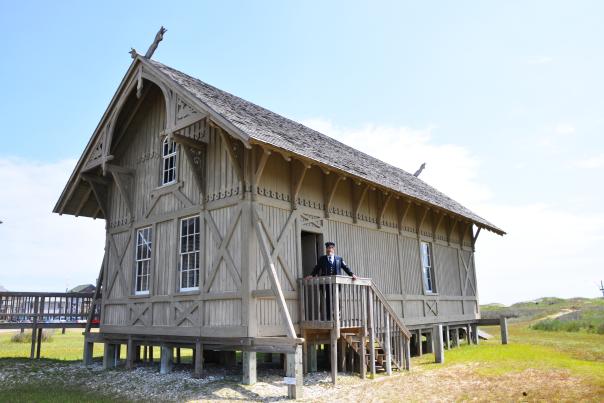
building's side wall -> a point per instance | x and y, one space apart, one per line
216 309
386 253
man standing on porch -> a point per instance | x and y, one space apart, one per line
329 265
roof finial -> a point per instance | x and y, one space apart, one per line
158 37
419 171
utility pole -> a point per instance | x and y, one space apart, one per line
602 287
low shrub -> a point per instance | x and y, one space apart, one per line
25 337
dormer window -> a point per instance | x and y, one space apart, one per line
168 157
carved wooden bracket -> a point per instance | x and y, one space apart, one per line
196 158
235 154
437 219
420 215
124 179
384 205
298 172
402 212
99 189
330 185
452 222
475 237
359 191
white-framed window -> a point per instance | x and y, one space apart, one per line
427 267
144 238
189 253
168 161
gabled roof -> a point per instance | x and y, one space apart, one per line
253 124
83 288
267 127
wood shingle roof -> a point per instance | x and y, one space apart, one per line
268 127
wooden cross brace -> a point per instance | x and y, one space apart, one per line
222 252
137 313
433 307
467 267
120 269
181 314
277 245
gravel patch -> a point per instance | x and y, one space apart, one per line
145 383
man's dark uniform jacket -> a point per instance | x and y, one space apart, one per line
324 268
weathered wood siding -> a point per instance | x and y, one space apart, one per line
388 254
216 308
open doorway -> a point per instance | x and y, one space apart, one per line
312 246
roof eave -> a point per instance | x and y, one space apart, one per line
480 224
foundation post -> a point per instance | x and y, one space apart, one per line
439 348
503 324
249 367
166 360
294 374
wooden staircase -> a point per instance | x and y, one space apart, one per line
358 319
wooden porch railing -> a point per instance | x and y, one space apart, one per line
37 310
356 307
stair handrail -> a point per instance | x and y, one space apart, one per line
389 309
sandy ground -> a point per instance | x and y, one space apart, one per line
453 383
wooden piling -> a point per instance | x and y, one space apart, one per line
294 376
198 361
166 360
249 367
503 324
439 350
88 352
109 356
334 356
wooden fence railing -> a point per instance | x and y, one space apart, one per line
37 310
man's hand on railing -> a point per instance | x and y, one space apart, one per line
308 277
354 277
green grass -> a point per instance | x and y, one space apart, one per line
52 393
578 355
68 346
542 307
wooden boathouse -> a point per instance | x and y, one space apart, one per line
217 208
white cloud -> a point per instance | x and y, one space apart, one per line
541 60
547 251
565 130
40 250
555 139
596 161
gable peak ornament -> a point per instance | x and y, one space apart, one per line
158 38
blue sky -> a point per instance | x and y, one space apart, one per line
502 100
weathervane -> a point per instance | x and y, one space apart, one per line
419 171
158 38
